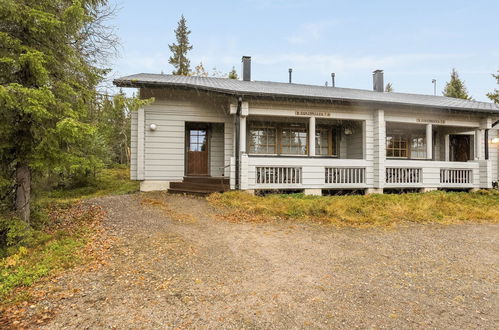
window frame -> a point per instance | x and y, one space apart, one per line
332 140
264 126
302 128
408 139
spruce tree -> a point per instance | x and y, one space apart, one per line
455 87
233 74
47 92
179 50
494 96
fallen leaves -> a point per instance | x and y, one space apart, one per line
168 210
83 220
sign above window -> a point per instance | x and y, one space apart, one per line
313 113
430 121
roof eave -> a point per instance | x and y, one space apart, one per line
142 84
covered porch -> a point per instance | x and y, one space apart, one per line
358 151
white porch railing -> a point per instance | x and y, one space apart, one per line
261 172
403 175
345 175
278 175
431 174
456 176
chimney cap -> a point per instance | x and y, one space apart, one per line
245 57
377 71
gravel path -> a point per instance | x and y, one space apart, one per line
175 266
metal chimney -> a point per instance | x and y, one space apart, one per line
290 74
378 84
246 68
333 83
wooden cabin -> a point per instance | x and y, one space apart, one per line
204 134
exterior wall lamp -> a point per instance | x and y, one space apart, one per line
153 127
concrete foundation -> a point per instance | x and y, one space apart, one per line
154 185
370 191
313 192
425 190
249 191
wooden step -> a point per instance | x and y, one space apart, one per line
206 179
189 191
199 186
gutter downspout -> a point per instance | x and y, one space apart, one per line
486 138
238 140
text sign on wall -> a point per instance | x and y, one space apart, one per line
430 121
313 113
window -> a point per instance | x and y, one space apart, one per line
197 140
418 147
262 139
325 141
397 146
406 146
294 139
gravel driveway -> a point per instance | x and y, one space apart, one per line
175 266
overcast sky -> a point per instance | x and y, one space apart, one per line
412 41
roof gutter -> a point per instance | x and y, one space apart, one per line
139 84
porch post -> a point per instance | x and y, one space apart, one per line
429 141
379 135
242 129
478 144
242 135
311 137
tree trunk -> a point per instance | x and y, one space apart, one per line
23 192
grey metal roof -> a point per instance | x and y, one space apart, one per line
276 89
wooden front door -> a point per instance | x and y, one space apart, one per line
460 148
197 149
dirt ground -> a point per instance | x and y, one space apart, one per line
174 265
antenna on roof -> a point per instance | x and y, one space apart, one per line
332 79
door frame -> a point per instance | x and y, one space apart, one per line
200 125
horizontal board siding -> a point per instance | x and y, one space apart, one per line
313 171
354 144
133 146
217 150
431 173
165 147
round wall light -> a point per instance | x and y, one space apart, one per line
153 127
495 140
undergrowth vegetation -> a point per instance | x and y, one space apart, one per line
60 229
362 211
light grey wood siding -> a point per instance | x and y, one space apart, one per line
354 143
165 147
133 146
217 150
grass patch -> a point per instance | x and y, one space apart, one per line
58 246
110 181
362 211
62 227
